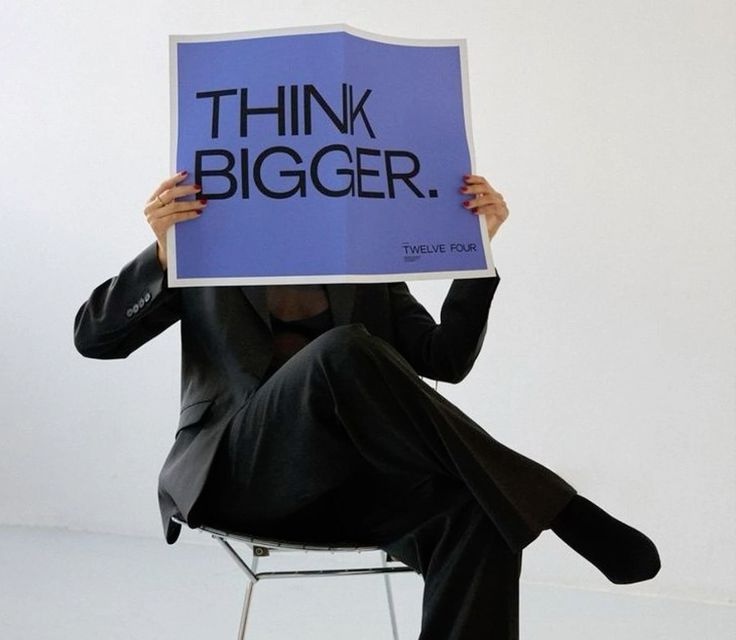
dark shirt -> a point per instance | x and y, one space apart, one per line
291 335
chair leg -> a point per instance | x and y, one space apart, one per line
246 600
389 596
246 607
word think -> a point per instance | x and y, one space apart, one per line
297 111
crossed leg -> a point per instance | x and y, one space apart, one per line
348 403
345 441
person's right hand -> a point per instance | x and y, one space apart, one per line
162 209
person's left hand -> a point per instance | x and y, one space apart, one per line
487 202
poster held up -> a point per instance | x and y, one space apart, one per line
326 154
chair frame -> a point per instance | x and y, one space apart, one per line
262 547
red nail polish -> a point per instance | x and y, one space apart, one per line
197 187
203 200
466 203
463 189
183 172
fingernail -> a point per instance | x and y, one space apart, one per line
197 187
203 200
466 203
463 189
466 176
183 172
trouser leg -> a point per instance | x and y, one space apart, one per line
349 401
471 576
436 526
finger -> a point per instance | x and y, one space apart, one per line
475 181
186 205
177 206
479 189
184 215
168 183
471 178
173 193
162 224
483 200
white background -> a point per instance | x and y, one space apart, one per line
610 129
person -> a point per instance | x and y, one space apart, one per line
305 416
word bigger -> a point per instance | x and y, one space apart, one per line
293 181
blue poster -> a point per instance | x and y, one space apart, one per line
326 154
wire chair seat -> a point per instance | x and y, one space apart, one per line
261 547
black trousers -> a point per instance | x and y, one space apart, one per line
345 442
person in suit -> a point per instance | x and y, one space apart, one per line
304 415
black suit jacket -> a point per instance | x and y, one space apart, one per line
226 345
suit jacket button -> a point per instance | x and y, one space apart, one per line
147 296
129 313
141 302
135 308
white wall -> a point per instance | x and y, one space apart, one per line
609 128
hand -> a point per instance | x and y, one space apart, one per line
487 202
162 209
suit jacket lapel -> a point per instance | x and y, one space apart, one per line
341 297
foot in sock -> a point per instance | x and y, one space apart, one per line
622 553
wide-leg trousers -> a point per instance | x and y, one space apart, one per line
346 443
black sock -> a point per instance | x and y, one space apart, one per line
622 553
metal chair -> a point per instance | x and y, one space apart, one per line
261 548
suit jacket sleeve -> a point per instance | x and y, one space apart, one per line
127 310
446 351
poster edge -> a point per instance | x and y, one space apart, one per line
173 131
338 27
333 279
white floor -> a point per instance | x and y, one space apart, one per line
69 585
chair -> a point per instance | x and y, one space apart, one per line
261 548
